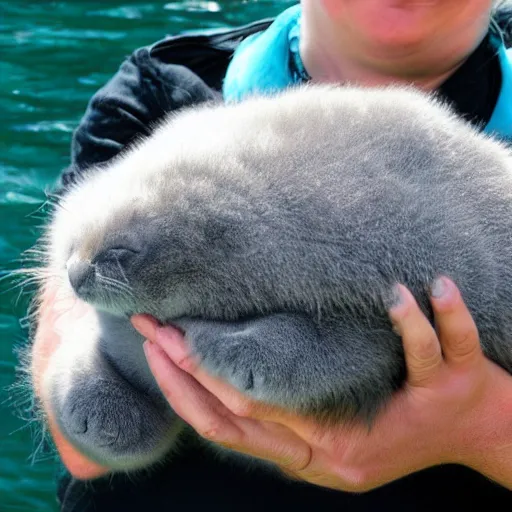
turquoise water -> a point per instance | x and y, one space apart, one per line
53 56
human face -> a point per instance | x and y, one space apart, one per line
407 36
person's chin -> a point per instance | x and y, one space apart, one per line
396 26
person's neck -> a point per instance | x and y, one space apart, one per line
324 67
326 60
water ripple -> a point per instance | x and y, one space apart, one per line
45 126
193 6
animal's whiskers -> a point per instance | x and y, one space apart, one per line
115 285
120 267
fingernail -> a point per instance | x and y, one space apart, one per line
438 288
145 324
395 298
167 334
172 342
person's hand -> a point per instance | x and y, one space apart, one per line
456 406
53 313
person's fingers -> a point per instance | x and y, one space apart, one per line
423 354
456 328
213 421
146 325
171 341
194 404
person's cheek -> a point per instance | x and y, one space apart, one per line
333 8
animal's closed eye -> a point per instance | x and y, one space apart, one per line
115 254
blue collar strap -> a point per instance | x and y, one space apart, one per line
267 62
500 123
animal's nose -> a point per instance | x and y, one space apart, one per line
80 273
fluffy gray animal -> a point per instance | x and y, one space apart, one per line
272 232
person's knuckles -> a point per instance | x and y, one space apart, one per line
171 342
297 463
424 351
241 406
464 345
459 337
215 430
423 377
294 456
187 362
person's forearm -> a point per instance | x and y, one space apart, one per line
491 452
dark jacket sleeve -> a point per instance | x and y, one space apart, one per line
171 74
143 91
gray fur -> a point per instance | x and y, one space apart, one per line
272 232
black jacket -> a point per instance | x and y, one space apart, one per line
169 75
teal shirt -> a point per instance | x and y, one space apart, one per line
265 63
500 123
269 61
